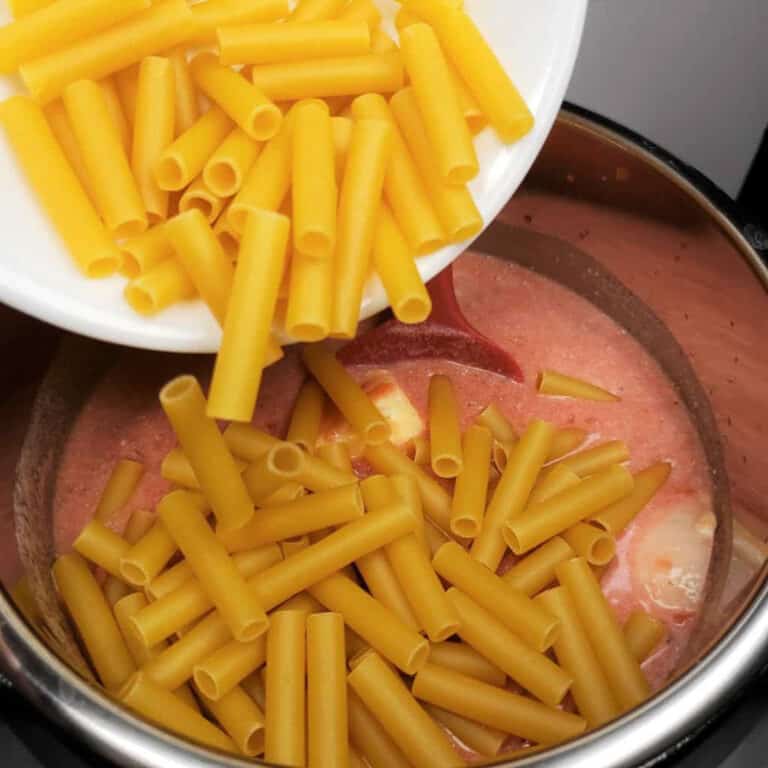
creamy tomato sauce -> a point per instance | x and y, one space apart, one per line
663 557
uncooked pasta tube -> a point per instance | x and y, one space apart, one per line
403 187
242 101
620 666
285 721
367 734
444 428
148 556
512 492
590 689
197 195
310 298
119 488
369 619
101 546
327 730
306 416
346 393
272 43
643 633
247 330
162 285
482 739
114 105
156 29
316 10
359 201
495 707
560 385
435 91
227 168
592 460
337 455
282 462
93 618
153 130
124 609
187 105
212 14
471 489
241 718
215 469
145 251
343 76
314 180
535 571
565 441
486 634
538 628
226 667
462 658
364 10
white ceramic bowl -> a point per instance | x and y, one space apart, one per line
537 41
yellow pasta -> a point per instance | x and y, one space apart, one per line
347 395
368 736
116 194
153 130
462 658
486 78
399 643
241 718
304 515
242 101
242 357
140 521
535 571
595 459
453 204
211 564
114 106
143 252
93 618
56 115
21 8
480 738
592 543
124 609
272 43
185 159
58 25
187 109
444 428
512 492
283 461
314 192
590 690
316 10
204 446
489 636
155 29
327 739
229 240
471 489
536 627
306 416
503 432
558 513
285 720
560 385
381 42
127 85
119 488
227 168
361 10
57 187
330 554
165 709
394 262
216 675
643 633
495 707
435 92
174 666
199 252
101 546
310 296
359 202
621 668
148 556
388 460
565 441
114 590
615 518
391 703
198 196
212 14
162 285
341 127
267 184
321 78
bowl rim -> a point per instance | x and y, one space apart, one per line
641 737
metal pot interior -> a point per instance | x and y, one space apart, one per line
604 218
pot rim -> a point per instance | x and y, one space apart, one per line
644 736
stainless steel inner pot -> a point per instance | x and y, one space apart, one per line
654 245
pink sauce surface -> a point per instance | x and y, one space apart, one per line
662 558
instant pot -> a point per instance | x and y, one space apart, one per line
610 215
